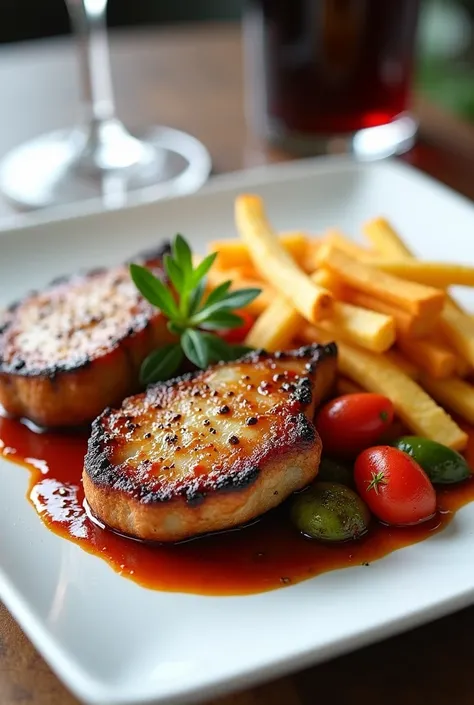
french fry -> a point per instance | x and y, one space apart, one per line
412 404
310 260
407 324
235 253
463 368
328 280
385 240
218 276
280 322
430 356
337 239
359 326
275 264
399 360
455 394
455 324
459 328
436 274
276 327
409 296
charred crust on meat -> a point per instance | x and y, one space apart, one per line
303 428
16 361
303 392
239 480
229 462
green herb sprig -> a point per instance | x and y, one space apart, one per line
191 315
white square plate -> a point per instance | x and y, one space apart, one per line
113 642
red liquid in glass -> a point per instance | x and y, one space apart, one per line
331 66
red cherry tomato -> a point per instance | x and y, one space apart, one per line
396 488
350 423
238 335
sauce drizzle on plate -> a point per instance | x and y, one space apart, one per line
263 556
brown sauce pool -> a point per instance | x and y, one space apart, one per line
266 555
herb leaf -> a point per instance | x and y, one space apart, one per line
235 299
195 347
173 270
161 364
191 316
222 319
203 268
183 256
154 290
196 297
218 293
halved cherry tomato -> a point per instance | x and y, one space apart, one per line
238 335
396 488
350 423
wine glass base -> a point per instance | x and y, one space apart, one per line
53 169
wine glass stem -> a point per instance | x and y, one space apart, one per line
88 19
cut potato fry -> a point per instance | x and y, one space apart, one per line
407 324
385 240
245 272
328 280
310 260
275 264
359 326
456 394
412 404
351 248
456 325
276 327
280 322
407 366
430 356
409 296
235 253
437 274
463 368
459 329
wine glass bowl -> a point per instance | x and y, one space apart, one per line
100 157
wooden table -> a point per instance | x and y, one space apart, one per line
191 78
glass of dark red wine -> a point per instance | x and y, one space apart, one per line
331 75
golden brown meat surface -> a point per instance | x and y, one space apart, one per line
209 451
76 347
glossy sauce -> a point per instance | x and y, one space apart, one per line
264 556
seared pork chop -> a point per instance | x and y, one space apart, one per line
76 347
211 450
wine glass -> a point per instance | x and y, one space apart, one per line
100 157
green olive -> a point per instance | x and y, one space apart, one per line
441 464
330 511
334 471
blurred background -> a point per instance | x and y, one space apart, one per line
445 66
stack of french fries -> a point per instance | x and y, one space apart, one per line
399 333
